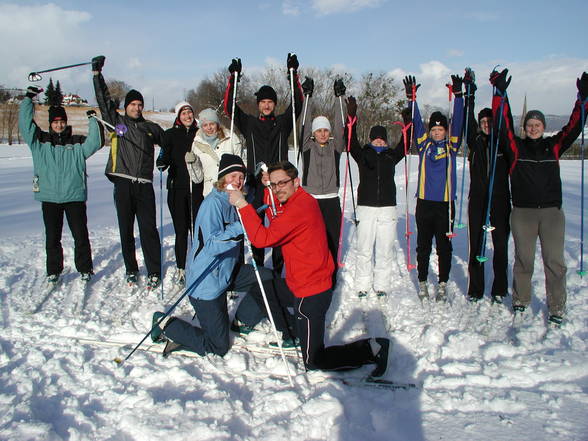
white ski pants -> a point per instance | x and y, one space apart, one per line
376 228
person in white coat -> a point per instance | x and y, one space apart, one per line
211 141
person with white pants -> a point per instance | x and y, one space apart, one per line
376 210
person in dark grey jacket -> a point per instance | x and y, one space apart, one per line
130 167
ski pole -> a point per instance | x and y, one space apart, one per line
34 76
119 129
161 227
307 97
293 112
481 257
191 212
263 294
581 272
450 233
271 194
465 155
192 287
350 122
235 82
348 164
407 232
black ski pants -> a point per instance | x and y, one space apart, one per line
310 325
178 201
331 211
75 212
499 219
134 199
432 222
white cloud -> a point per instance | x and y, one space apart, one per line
326 7
550 84
289 7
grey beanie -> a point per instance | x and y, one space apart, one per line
208 115
534 114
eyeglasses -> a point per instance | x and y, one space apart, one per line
280 184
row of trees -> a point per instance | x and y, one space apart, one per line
379 97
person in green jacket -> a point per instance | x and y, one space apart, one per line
59 182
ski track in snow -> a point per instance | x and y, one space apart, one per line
478 378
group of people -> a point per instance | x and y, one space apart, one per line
220 192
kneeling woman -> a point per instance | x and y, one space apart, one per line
213 268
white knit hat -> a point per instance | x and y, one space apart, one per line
180 106
320 122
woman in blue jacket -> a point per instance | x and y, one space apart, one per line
213 267
59 182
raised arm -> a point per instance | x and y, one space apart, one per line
308 88
338 128
105 103
95 139
419 131
26 124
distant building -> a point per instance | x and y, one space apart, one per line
74 100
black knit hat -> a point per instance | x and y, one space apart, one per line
132 96
534 114
438 119
57 113
229 164
484 113
378 132
266 93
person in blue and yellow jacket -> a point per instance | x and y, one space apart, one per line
435 208
59 182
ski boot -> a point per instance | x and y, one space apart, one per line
381 293
380 348
181 277
241 328
555 321
86 277
52 279
497 299
153 281
441 295
287 343
157 329
132 278
362 294
423 292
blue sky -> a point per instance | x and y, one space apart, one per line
165 47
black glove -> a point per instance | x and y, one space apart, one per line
351 106
406 115
90 113
456 82
308 86
582 84
469 79
292 62
98 63
339 87
235 66
410 82
498 80
33 91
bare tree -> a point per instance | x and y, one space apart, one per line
118 90
9 112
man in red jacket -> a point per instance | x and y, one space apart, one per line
300 231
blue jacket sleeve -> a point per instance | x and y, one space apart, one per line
420 132
93 142
218 238
28 129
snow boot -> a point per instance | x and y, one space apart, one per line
52 279
381 293
362 294
380 348
86 277
497 300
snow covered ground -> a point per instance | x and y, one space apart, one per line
476 380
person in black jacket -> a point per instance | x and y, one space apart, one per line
376 207
266 136
183 196
480 157
130 168
536 195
